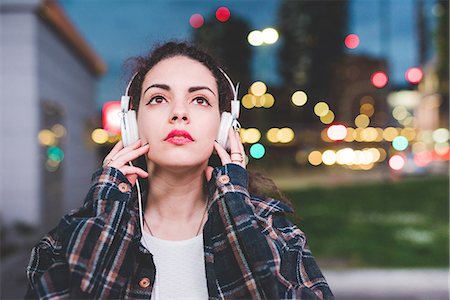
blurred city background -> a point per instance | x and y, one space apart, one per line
345 106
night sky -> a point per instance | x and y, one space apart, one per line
119 29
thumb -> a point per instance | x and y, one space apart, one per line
208 172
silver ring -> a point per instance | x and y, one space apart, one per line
240 161
106 162
242 156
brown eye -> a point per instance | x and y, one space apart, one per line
202 101
156 100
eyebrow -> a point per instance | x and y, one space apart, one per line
167 88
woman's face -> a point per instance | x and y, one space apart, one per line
179 112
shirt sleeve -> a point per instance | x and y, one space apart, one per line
86 250
298 265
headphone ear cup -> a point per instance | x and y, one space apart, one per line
225 123
129 128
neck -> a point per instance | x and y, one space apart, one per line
176 201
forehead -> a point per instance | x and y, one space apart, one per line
180 71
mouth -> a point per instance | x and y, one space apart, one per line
179 137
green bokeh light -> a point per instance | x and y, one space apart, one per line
257 151
400 143
55 153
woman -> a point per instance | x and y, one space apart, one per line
205 234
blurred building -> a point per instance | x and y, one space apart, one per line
351 88
49 76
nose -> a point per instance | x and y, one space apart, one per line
179 114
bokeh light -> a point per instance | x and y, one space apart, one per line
258 88
110 117
269 100
46 137
409 133
390 133
337 132
352 41
285 135
196 20
99 136
400 112
328 118
270 35
379 79
367 109
299 98
55 153
272 135
345 156
414 75
441 135
329 157
223 14
396 162
255 38
59 130
400 143
251 135
362 121
257 151
248 101
321 109
422 159
315 158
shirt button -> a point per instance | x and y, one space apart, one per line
123 187
224 179
144 282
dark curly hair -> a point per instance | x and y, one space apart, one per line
139 66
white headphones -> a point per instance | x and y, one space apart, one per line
128 122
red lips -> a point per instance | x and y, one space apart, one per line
179 133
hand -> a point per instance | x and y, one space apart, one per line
236 155
120 156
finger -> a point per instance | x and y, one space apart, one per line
233 142
127 149
241 148
117 147
129 170
129 156
235 149
223 154
208 172
132 179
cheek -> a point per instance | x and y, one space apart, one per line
148 128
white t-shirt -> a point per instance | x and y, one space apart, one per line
180 268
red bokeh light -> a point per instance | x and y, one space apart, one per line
414 75
110 117
223 14
379 79
196 20
352 41
397 162
422 159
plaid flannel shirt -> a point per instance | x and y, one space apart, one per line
251 250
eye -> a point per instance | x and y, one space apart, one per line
156 100
202 101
